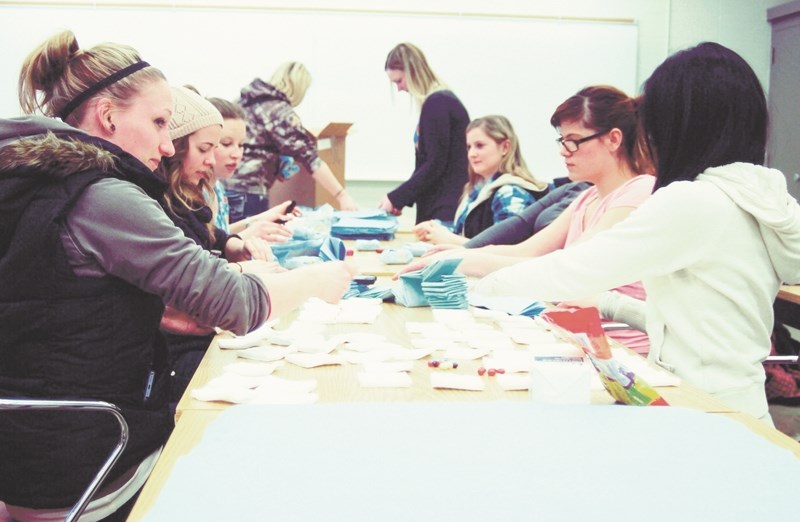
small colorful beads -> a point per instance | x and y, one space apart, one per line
442 365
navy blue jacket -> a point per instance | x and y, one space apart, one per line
441 160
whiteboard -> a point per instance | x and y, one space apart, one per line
519 67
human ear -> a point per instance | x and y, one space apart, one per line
614 139
104 111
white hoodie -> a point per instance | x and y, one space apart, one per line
711 254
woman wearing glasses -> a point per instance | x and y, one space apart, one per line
598 141
712 244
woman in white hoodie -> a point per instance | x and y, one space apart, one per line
711 245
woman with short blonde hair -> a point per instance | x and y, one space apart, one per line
277 144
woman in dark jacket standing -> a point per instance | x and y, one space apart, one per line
441 151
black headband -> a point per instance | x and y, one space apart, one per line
99 86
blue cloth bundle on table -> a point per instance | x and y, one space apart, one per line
396 256
296 253
332 249
297 247
436 286
369 291
365 245
364 224
418 248
510 305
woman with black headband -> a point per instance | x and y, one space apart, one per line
88 260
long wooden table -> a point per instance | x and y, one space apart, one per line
790 293
787 306
340 384
370 263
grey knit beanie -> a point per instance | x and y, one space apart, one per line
191 112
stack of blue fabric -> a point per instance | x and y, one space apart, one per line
364 224
437 285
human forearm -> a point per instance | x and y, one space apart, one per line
508 232
615 306
288 290
114 219
325 177
478 263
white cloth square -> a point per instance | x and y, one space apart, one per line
556 382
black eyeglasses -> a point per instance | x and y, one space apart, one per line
573 145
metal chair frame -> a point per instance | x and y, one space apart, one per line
54 405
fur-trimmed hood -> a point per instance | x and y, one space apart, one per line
36 150
43 146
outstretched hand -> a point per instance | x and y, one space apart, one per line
330 280
279 213
387 205
269 231
257 248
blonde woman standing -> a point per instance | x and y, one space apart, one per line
441 156
277 143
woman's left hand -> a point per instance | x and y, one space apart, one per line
257 248
436 233
268 231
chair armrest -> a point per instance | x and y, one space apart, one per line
52 405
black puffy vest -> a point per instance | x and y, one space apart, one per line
69 337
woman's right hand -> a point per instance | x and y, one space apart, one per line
278 213
329 280
387 205
429 259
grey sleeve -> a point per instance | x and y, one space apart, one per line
535 217
116 226
510 231
622 308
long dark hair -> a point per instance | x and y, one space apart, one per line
703 107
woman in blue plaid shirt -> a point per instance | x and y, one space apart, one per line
499 184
